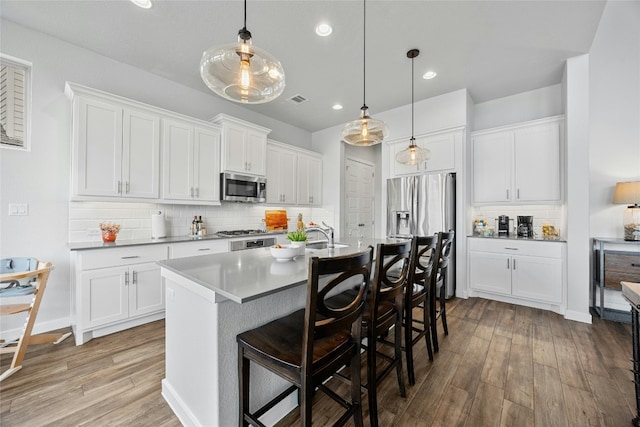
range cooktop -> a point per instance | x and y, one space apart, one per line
236 233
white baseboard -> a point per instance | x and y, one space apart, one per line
578 316
38 328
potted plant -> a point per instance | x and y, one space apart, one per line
298 238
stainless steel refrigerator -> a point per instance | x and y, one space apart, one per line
422 205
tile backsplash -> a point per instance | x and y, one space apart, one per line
135 218
542 214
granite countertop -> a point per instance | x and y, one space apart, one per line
523 239
243 276
77 246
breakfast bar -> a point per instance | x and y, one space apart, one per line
209 300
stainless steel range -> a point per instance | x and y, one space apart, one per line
256 241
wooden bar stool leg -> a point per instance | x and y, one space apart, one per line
408 346
243 371
443 310
427 325
356 394
371 382
398 355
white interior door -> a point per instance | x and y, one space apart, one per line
360 196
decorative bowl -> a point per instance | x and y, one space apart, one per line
284 252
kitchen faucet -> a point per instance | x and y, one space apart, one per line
360 235
328 232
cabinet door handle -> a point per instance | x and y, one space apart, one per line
514 264
119 187
518 193
126 278
248 166
127 187
507 194
197 192
135 277
511 249
130 257
507 263
204 249
310 199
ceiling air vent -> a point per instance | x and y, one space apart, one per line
297 99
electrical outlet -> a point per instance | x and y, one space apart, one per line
18 209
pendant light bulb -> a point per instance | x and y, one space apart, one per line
413 154
364 131
241 72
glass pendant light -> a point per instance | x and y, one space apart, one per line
242 72
413 155
364 131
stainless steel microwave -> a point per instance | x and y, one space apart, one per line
243 188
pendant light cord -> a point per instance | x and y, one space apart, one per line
364 55
412 139
245 14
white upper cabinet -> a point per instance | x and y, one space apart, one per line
441 145
519 164
309 180
281 175
116 150
191 162
244 146
294 175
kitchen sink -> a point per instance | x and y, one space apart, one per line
323 245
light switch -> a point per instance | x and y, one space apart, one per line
18 209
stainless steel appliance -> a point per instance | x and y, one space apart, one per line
503 225
423 205
525 226
242 188
260 242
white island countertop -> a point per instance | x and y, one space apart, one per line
246 275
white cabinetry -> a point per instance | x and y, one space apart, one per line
116 289
191 161
441 145
116 147
281 175
309 177
294 175
244 146
197 248
518 164
529 271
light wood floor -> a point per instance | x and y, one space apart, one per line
501 365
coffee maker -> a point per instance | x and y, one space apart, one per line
503 225
525 226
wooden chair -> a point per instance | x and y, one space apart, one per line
417 295
438 285
309 345
384 310
20 277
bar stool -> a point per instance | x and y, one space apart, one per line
310 345
438 285
421 266
384 310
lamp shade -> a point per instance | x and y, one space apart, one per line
413 154
242 73
364 131
627 193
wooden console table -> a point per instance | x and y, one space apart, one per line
615 260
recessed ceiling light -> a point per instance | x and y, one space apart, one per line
323 30
337 107
145 4
429 75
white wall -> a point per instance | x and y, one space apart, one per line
40 178
614 129
522 107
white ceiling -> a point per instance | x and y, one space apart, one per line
493 48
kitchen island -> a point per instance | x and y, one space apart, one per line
209 300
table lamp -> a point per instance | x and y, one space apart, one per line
628 193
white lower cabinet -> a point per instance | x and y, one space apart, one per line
116 289
525 271
197 248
